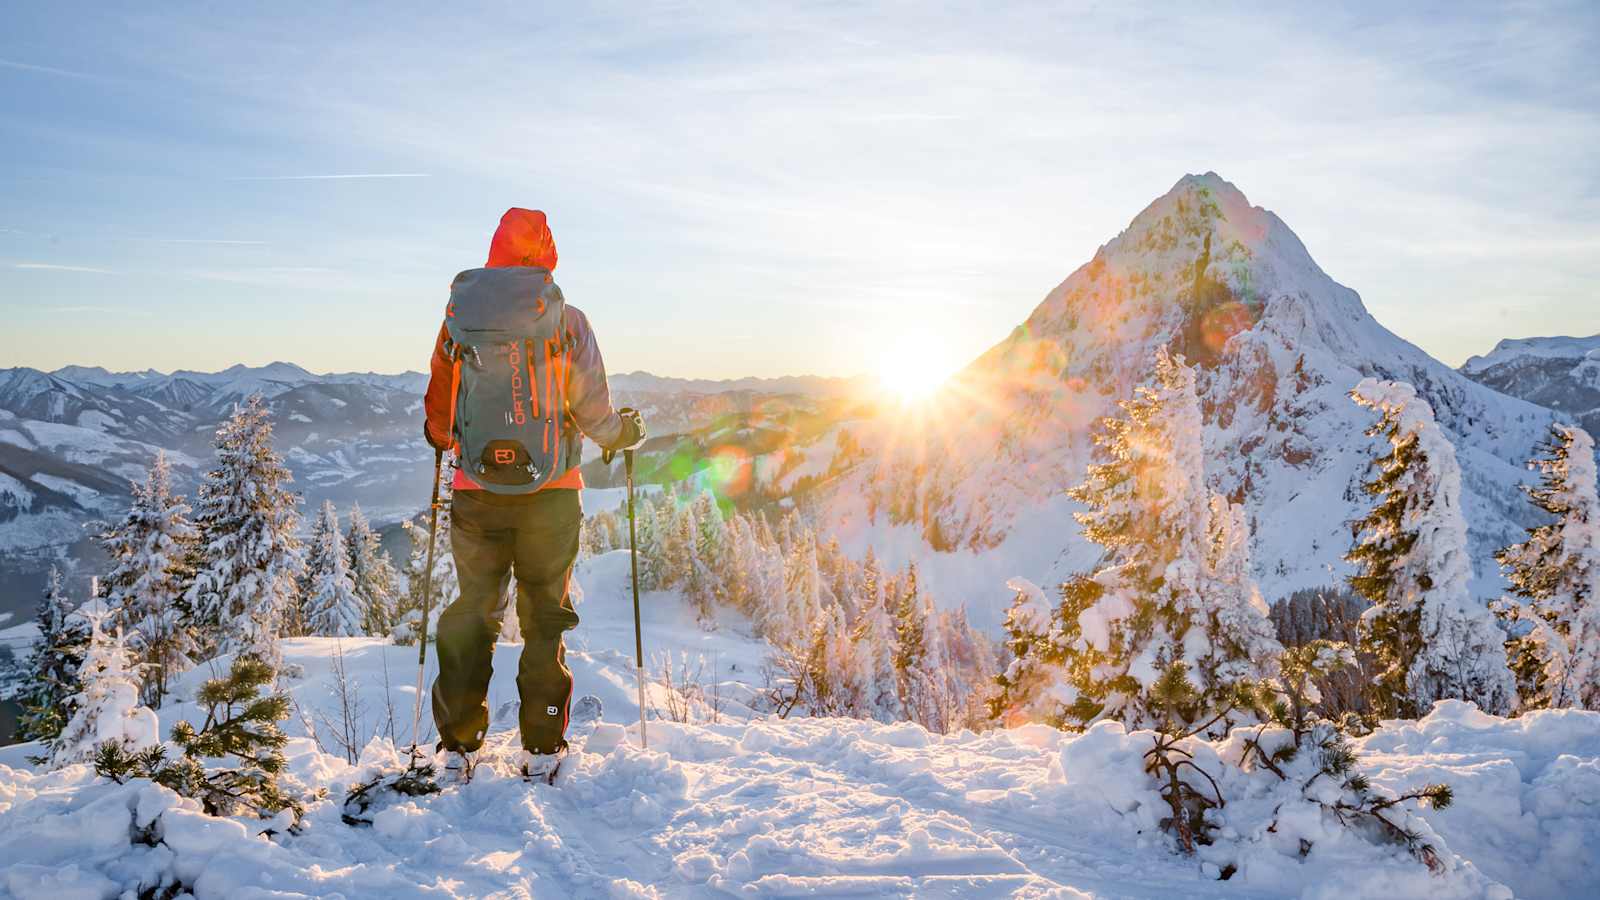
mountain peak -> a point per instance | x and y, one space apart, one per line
273 371
1209 181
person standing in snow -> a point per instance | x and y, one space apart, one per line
496 528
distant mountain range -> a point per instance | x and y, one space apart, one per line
807 385
73 440
1562 373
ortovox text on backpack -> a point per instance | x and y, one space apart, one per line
510 346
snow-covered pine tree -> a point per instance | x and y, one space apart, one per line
712 527
681 564
1432 641
804 589
710 541
150 549
1555 580
738 572
248 554
969 663
927 698
871 580
790 531
372 573
648 532
408 611
769 589
599 534
839 574
332 607
833 682
877 647
905 603
1035 667
106 708
52 668
1238 624
1146 639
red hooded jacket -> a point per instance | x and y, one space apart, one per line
524 239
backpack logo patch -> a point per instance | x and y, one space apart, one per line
551 710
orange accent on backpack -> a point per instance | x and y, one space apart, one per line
455 388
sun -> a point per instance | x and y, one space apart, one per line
913 369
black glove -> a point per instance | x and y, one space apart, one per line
428 436
632 434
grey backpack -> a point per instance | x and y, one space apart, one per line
509 343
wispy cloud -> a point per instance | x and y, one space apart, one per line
56 267
75 310
230 243
342 177
43 70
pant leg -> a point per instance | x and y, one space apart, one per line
483 551
546 545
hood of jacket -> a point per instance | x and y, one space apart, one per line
523 239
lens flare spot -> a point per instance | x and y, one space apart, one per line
1222 323
728 469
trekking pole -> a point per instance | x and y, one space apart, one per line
638 633
427 600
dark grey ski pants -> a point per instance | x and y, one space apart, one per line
491 535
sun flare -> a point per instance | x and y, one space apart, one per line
913 369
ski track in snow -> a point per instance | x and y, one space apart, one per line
778 808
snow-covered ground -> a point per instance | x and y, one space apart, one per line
770 807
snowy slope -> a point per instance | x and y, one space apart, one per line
771 807
1562 373
1279 344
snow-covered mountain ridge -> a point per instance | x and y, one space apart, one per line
1562 373
1519 351
1278 345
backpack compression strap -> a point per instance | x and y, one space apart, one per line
455 391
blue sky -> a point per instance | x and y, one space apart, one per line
761 189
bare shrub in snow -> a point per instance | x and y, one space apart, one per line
347 725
